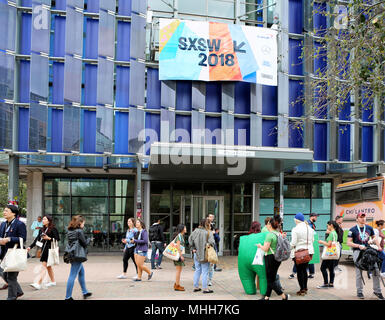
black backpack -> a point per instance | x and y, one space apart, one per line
153 232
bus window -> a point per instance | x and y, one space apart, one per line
349 195
372 191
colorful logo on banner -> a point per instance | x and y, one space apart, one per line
211 51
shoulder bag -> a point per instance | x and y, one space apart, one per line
75 252
302 255
210 254
171 251
15 259
53 254
332 252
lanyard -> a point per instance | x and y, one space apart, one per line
362 234
9 227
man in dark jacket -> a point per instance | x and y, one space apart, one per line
158 242
10 231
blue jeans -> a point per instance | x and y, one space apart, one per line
201 268
156 245
77 270
211 272
381 255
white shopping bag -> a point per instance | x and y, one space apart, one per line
53 254
149 253
258 258
15 259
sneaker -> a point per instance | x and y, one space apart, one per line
87 295
292 276
158 267
360 295
197 289
324 286
122 276
218 269
287 296
210 284
150 275
379 296
331 285
208 291
51 284
382 274
136 279
311 276
36 286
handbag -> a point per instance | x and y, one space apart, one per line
210 253
172 251
75 252
15 259
302 255
332 252
53 254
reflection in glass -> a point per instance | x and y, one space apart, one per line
71 123
6 112
89 187
136 118
105 82
220 8
194 7
122 206
137 83
139 6
118 227
242 204
72 79
57 205
7 70
104 128
160 204
90 206
74 32
38 118
242 222
8 21
108 5
106 34
138 37
39 77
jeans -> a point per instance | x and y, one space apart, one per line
160 246
211 272
381 255
14 288
77 270
201 268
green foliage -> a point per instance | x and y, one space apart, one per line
4 194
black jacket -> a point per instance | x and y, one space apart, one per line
53 233
17 230
78 234
159 233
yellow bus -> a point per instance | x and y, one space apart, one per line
365 195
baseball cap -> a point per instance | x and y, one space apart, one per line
360 214
314 214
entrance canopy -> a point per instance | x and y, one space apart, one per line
221 162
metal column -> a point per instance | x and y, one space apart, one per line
138 189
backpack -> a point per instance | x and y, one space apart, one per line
283 249
153 232
367 259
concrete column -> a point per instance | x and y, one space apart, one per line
146 203
256 204
335 183
34 200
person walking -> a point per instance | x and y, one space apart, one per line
217 240
311 222
76 233
332 226
272 265
180 243
302 237
43 240
198 240
340 233
129 248
158 243
358 239
141 248
11 230
267 223
381 237
36 226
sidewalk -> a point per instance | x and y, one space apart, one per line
101 273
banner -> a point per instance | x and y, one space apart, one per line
212 51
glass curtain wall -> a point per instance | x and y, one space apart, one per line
105 203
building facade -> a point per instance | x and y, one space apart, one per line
86 121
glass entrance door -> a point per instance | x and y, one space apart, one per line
195 208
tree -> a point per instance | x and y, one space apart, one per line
350 55
22 200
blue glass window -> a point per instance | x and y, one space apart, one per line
105 90
38 118
7 69
6 113
104 128
71 123
137 83
8 21
72 79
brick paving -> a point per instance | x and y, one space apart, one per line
102 270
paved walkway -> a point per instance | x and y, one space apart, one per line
101 272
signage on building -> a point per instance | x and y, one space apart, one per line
212 51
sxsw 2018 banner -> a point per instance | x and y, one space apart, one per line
212 51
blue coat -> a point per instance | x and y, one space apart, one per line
17 230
